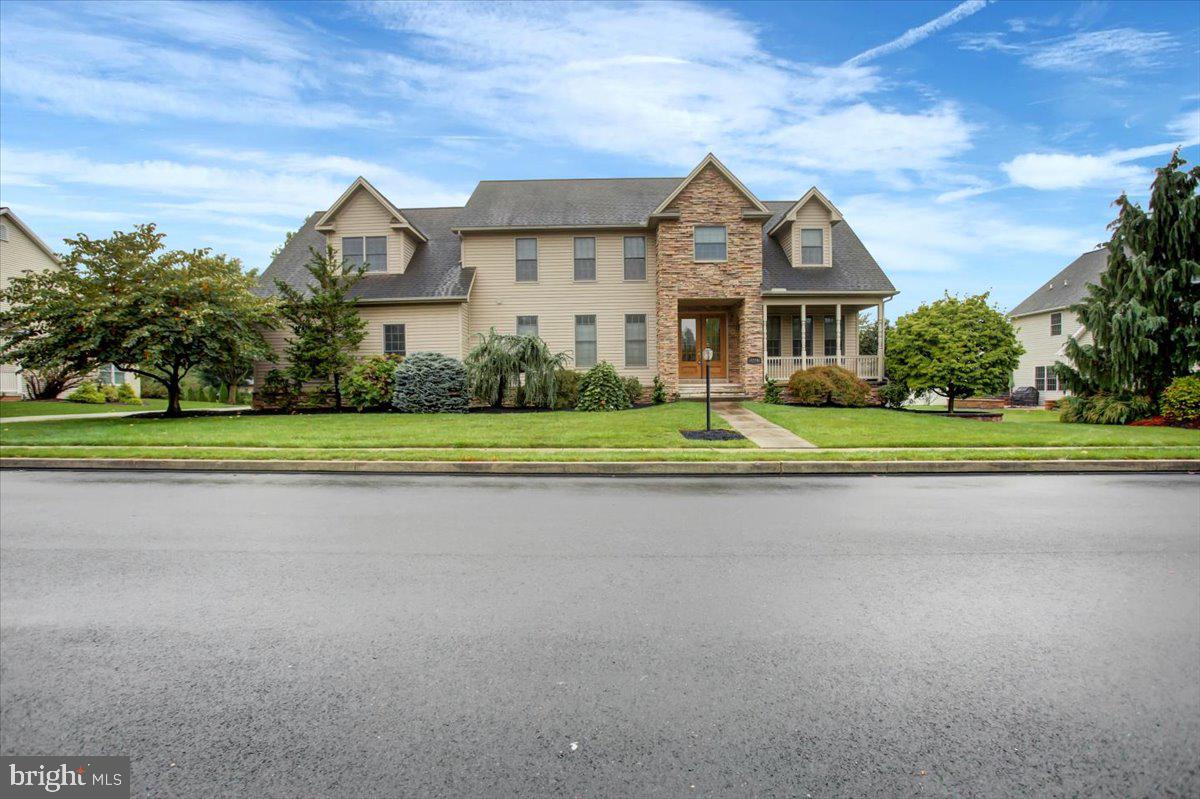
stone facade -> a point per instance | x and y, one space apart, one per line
735 284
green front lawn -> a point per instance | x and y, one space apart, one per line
876 427
54 407
657 426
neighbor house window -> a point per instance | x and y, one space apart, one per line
709 241
585 340
635 339
585 259
527 267
527 326
635 257
369 250
109 375
3 232
812 246
774 336
1056 324
1045 379
393 340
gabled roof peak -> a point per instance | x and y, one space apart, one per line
812 194
326 220
713 161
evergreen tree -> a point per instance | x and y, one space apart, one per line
1144 316
326 327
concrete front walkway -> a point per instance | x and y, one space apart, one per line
64 417
764 434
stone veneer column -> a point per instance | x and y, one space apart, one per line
710 199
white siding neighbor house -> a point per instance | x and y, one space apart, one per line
20 251
1044 324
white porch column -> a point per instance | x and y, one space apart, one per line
881 334
837 331
803 336
766 361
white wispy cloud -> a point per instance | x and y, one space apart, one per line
1116 169
914 35
1102 53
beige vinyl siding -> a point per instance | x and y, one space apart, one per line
784 237
17 255
497 299
362 215
813 214
1041 348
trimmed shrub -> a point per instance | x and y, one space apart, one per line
152 389
568 389
659 394
602 390
278 391
829 385
633 390
772 393
371 382
87 393
429 382
110 392
126 395
1104 409
894 393
1181 399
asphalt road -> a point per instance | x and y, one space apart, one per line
353 636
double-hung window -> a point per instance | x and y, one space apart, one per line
774 336
393 340
585 258
527 325
1056 324
635 339
585 340
635 257
812 246
369 250
709 242
109 375
1045 378
527 264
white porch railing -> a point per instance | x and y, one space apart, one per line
865 366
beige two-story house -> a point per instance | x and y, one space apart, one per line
644 273
20 251
1044 323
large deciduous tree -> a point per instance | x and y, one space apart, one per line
955 348
326 327
1144 315
128 301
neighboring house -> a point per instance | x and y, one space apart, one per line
641 272
20 251
1044 324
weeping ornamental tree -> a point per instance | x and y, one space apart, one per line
1144 316
498 361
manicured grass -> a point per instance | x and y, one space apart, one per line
54 407
656 426
876 427
349 454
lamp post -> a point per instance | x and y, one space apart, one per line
708 356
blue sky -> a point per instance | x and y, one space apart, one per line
973 146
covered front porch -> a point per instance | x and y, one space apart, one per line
820 331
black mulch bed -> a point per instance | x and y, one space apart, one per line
711 435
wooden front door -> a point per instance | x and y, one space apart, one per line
697 331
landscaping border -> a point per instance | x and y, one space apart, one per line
610 468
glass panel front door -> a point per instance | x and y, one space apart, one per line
697 331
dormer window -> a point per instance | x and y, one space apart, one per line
812 247
709 242
369 250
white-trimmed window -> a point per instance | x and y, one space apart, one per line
1056 324
812 246
527 265
585 340
635 339
635 257
585 258
527 326
3 232
1045 379
369 250
709 242
109 375
394 340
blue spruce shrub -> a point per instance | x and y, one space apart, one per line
429 382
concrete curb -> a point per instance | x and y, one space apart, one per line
609 467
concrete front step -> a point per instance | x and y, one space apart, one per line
724 392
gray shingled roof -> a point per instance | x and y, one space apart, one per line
594 202
1067 287
433 273
853 267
